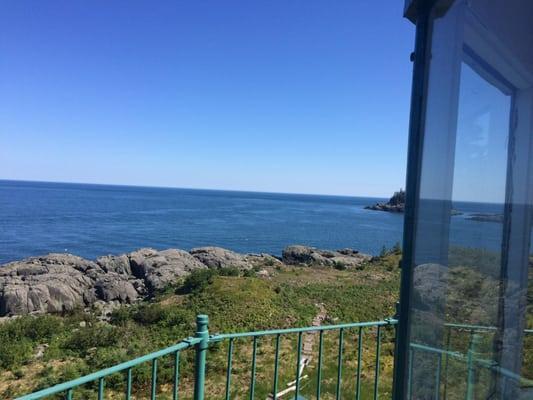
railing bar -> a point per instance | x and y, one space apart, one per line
447 361
252 378
128 384
69 394
437 376
376 374
175 390
101 384
359 359
276 368
410 374
319 372
339 365
229 366
298 364
62 387
225 336
154 379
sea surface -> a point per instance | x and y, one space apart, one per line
92 220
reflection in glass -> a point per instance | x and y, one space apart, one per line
472 297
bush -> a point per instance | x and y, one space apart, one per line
95 336
149 314
120 316
229 271
15 353
339 265
197 281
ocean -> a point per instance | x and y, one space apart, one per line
93 220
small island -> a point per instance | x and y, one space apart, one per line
396 204
486 217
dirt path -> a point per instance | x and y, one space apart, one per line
308 344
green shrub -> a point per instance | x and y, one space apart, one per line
120 316
339 265
100 335
229 271
197 281
15 353
149 314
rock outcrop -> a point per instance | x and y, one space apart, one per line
160 269
395 204
60 282
304 255
63 282
217 257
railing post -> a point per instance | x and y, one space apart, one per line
202 333
471 367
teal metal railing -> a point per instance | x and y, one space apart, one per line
472 359
201 343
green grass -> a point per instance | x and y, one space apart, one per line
78 343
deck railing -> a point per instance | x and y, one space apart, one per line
472 359
201 343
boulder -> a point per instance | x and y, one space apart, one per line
159 269
52 283
305 255
119 264
217 257
61 282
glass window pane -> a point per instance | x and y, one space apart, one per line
471 309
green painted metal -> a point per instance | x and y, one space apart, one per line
228 369
359 360
175 388
252 374
201 343
437 377
101 383
202 333
276 368
339 364
154 379
378 353
446 362
298 365
319 371
128 384
471 367
64 387
216 338
410 374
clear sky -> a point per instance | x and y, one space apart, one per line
279 95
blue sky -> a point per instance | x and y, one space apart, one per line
283 96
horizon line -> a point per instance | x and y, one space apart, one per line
188 188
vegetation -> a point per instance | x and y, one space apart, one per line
39 351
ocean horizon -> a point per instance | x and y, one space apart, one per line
91 220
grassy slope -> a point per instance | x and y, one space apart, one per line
78 344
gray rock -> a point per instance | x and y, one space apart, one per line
119 264
304 255
160 269
217 257
53 283
60 282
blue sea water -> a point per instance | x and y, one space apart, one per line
92 220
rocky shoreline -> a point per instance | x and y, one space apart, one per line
60 282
